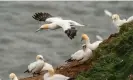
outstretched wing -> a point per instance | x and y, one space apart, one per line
41 16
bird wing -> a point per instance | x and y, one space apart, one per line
31 66
130 19
108 13
74 23
40 16
46 17
53 19
99 38
95 44
78 55
69 30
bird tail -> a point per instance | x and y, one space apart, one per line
69 60
41 16
71 79
99 37
108 13
26 71
71 33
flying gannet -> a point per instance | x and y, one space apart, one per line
93 45
57 22
12 76
37 66
117 21
81 55
50 75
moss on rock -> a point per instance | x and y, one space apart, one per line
113 59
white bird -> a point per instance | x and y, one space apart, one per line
81 55
116 19
12 76
93 45
57 22
50 75
37 66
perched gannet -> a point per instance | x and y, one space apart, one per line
81 55
116 19
93 45
12 76
50 75
57 22
37 66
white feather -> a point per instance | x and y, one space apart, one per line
74 23
78 55
108 13
130 19
47 66
36 66
53 19
99 37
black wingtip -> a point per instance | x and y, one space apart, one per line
71 33
26 71
71 79
41 16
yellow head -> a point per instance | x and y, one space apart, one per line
12 76
39 57
43 27
84 37
115 17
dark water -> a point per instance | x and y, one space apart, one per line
19 44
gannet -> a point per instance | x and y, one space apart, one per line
12 76
116 19
50 75
37 66
93 45
57 22
81 55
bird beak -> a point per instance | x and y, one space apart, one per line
39 29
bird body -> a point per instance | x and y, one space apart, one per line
68 26
81 55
